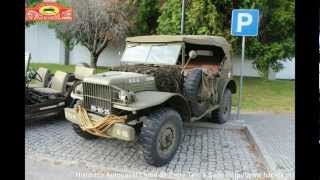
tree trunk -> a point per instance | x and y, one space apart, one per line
93 60
234 4
66 56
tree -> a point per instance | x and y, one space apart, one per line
169 20
202 18
65 31
146 18
274 43
98 24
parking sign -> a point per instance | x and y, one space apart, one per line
244 22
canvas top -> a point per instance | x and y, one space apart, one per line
192 39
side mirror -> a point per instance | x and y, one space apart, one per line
192 54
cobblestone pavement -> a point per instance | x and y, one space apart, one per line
54 170
204 153
276 133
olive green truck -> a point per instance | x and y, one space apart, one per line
161 82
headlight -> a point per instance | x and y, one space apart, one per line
78 89
126 97
77 92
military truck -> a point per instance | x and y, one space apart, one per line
162 82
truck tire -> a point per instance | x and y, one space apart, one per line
82 133
160 135
223 114
191 87
77 128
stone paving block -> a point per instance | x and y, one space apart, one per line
203 150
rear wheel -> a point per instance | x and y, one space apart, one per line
161 135
223 114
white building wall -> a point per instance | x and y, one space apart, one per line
288 71
109 56
44 47
248 69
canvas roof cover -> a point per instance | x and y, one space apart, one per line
192 39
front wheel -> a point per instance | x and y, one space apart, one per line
161 135
223 114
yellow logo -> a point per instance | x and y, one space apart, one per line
49 10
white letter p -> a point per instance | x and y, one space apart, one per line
242 21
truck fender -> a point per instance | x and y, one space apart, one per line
148 99
230 84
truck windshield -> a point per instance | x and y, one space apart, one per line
151 53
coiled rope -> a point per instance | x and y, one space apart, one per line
97 128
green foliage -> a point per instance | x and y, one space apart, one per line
146 19
203 18
274 43
269 54
31 3
169 20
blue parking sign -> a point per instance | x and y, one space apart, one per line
245 22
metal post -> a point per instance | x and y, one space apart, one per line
241 76
182 16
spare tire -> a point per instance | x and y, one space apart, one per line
191 89
167 82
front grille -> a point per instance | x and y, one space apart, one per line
99 98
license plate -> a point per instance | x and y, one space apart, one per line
99 110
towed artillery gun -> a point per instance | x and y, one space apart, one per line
162 82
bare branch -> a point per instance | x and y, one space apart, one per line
99 23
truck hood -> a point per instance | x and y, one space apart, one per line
130 81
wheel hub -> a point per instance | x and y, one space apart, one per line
166 139
225 109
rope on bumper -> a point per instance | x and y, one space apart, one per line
97 128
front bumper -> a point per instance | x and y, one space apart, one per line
117 130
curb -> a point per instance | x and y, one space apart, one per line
268 161
213 125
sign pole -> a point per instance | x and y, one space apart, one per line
244 22
241 76
182 17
